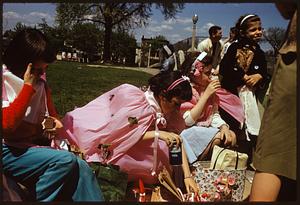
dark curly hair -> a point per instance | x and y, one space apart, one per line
159 84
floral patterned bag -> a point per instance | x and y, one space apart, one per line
219 185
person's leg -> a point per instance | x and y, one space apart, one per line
87 187
51 174
265 187
206 154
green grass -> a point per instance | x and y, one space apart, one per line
75 84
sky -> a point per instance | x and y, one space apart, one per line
180 28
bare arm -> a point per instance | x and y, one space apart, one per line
197 110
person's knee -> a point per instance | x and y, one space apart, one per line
67 160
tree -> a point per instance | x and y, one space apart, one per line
274 36
112 16
19 26
54 34
86 37
123 46
158 42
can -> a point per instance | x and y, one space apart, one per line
175 155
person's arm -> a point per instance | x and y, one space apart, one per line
258 77
188 179
169 137
225 133
50 104
195 113
14 113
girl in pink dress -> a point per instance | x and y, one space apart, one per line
131 124
201 113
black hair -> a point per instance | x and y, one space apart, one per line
28 46
234 30
159 84
186 66
212 30
243 26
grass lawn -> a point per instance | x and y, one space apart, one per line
75 84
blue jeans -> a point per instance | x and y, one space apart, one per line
52 175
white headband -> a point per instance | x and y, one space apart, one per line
245 18
201 56
169 52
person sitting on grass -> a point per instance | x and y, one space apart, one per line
126 127
204 126
49 174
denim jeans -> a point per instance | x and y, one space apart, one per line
52 175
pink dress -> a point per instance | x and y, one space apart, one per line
119 117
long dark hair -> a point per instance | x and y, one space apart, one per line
28 46
186 67
159 84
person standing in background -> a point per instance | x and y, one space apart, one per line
243 71
213 46
275 155
232 37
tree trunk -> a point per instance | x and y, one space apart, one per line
107 39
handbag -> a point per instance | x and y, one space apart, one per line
227 159
222 178
112 181
219 185
165 179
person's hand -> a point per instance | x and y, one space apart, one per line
191 185
58 123
170 138
53 131
212 87
251 80
29 78
227 136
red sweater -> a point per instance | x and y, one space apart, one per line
14 113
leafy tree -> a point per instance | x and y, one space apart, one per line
86 37
157 42
123 46
19 26
8 35
274 36
112 16
54 35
